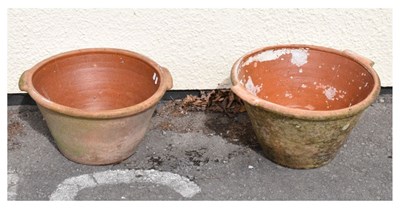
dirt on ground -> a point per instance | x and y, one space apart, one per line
219 100
14 128
225 114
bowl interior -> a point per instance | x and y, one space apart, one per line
305 78
96 81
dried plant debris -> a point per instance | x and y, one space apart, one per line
219 100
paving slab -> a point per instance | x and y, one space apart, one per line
199 156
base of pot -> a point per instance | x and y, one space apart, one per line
95 162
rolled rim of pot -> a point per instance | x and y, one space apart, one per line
165 83
240 90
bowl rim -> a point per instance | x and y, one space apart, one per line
165 84
253 100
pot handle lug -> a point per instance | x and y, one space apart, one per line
168 78
23 82
358 57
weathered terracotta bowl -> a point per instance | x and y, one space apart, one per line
97 102
304 100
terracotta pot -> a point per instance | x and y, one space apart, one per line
97 102
304 100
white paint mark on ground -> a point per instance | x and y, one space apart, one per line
70 187
12 180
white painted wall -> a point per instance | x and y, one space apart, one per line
198 46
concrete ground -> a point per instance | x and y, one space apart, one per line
199 156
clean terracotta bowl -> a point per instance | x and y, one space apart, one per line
97 102
303 100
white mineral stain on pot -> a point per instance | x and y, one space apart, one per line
330 93
253 89
320 86
300 70
288 95
299 56
155 78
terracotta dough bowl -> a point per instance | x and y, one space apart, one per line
97 102
304 100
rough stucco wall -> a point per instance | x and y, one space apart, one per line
198 46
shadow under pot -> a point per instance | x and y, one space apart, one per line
97 102
304 100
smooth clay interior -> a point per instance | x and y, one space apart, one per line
96 81
305 78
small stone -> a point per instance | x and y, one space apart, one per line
381 100
123 197
251 167
163 132
235 140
